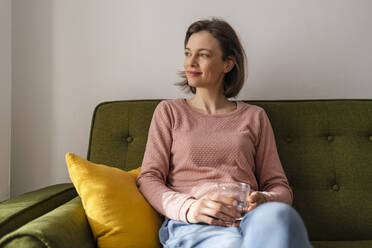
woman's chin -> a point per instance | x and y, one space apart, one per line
195 83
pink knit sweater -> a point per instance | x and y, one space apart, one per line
187 152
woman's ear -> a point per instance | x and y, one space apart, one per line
229 64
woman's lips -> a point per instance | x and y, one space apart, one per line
194 74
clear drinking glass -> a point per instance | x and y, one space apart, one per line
239 191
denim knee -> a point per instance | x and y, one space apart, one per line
276 210
278 220
280 210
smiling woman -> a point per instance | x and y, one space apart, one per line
214 42
195 144
205 66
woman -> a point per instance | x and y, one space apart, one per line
195 143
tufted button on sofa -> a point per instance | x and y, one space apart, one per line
289 139
335 187
129 139
330 138
325 147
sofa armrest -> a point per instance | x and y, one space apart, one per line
19 210
65 226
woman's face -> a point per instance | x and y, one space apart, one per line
203 61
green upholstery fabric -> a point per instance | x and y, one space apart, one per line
17 211
325 147
119 132
342 244
65 226
24 241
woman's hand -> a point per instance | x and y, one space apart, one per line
213 208
254 199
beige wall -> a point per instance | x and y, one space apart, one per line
69 55
5 98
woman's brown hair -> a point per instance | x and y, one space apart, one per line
230 46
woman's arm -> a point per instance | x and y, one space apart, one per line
155 167
273 182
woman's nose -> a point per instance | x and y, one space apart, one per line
192 61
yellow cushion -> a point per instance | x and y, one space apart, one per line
118 214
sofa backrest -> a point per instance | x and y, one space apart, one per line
325 147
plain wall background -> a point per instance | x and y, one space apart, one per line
70 55
5 98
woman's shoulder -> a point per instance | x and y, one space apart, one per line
251 108
168 104
167 107
172 104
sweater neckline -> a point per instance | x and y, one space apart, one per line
188 107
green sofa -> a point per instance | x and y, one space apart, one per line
325 147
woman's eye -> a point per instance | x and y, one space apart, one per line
201 54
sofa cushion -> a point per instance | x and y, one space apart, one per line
21 209
117 212
65 226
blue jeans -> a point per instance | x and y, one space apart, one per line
271 224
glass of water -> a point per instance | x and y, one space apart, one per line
239 191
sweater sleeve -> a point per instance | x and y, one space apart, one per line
155 166
269 171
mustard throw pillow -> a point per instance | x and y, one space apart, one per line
118 214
